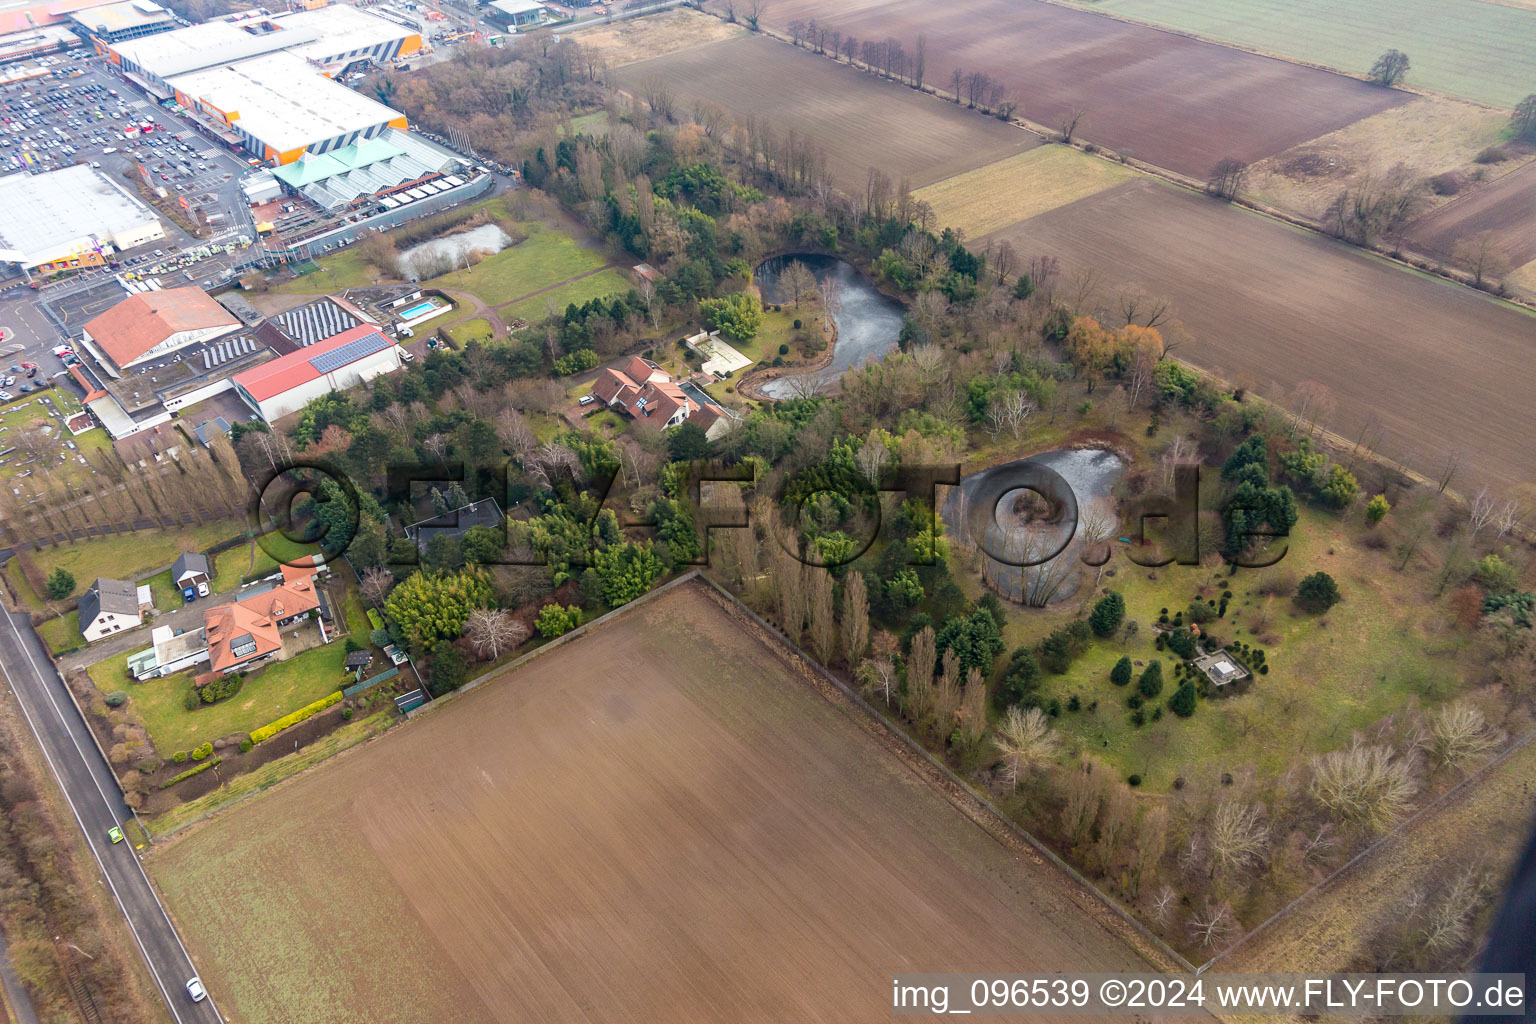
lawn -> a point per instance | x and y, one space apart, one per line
545 258
62 634
1379 650
346 269
594 286
280 688
478 329
127 555
1469 48
1013 189
233 565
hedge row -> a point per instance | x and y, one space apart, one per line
266 732
168 783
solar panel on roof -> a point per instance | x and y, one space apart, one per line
351 352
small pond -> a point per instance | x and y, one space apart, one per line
439 255
868 323
1030 508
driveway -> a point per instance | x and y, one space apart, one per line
186 617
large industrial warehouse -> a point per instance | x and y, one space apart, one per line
73 217
329 38
282 108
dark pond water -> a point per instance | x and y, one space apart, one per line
868 323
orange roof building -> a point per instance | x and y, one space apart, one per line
646 392
151 324
250 630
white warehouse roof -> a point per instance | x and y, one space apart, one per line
44 217
284 102
323 36
203 46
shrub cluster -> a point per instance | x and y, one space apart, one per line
295 717
168 783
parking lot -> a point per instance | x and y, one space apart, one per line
85 112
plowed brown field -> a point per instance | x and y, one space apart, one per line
1272 306
1168 99
1506 207
858 120
659 821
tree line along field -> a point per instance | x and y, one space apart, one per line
1479 827
1470 48
699 836
1437 365
1170 100
857 120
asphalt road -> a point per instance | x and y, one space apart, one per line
97 804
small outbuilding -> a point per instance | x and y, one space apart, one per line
1221 668
189 570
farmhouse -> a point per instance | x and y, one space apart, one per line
344 361
110 606
644 391
250 630
156 323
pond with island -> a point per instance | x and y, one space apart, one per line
868 322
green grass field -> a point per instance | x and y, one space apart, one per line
233 565
62 633
346 269
280 688
597 286
1469 48
126 555
28 411
1379 650
478 329
546 257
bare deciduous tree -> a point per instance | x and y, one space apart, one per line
376 584
1459 733
823 622
1236 835
492 631
1213 925
1024 736
797 281
878 676
855 618
1084 791
1364 785
920 661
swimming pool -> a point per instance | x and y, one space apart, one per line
417 310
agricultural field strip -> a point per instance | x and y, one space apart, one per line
678 828
1016 188
1271 306
1469 48
859 121
1506 207
1173 101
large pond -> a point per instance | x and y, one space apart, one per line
1028 509
868 323
440 255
